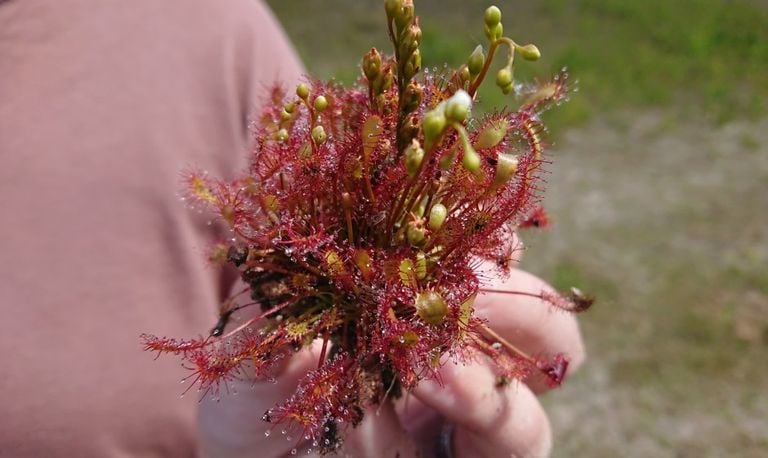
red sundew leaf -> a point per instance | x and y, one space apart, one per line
537 218
330 395
200 188
171 345
554 369
542 95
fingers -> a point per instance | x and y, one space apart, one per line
233 426
423 423
380 435
490 421
524 432
531 324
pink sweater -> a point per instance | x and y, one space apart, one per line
102 104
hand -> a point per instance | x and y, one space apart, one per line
484 420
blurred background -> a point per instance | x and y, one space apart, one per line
659 196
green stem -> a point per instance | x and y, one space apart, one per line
481 76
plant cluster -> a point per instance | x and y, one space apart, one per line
362 221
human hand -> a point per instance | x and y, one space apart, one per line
469 413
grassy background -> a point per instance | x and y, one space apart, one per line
659 192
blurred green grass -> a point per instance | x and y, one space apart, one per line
705 55
658 190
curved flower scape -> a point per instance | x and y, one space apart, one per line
362 221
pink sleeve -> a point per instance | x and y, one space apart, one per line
101 105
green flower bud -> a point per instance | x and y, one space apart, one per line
410 129
406 48
410 40
405 15
437 216
492 16
504 77
414 154
281 135
471 160
413 65
289 107
492 135
393 7
495 32
464 74
506 167
507 89
416 60
284 115
431 307
412 96
372 64
414 31
433 124
388 78
321 103
457 107
302 90
415 235
318 135
476 61
529 52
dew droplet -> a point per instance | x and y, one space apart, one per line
267 433
294 451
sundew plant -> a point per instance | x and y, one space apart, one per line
367 220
